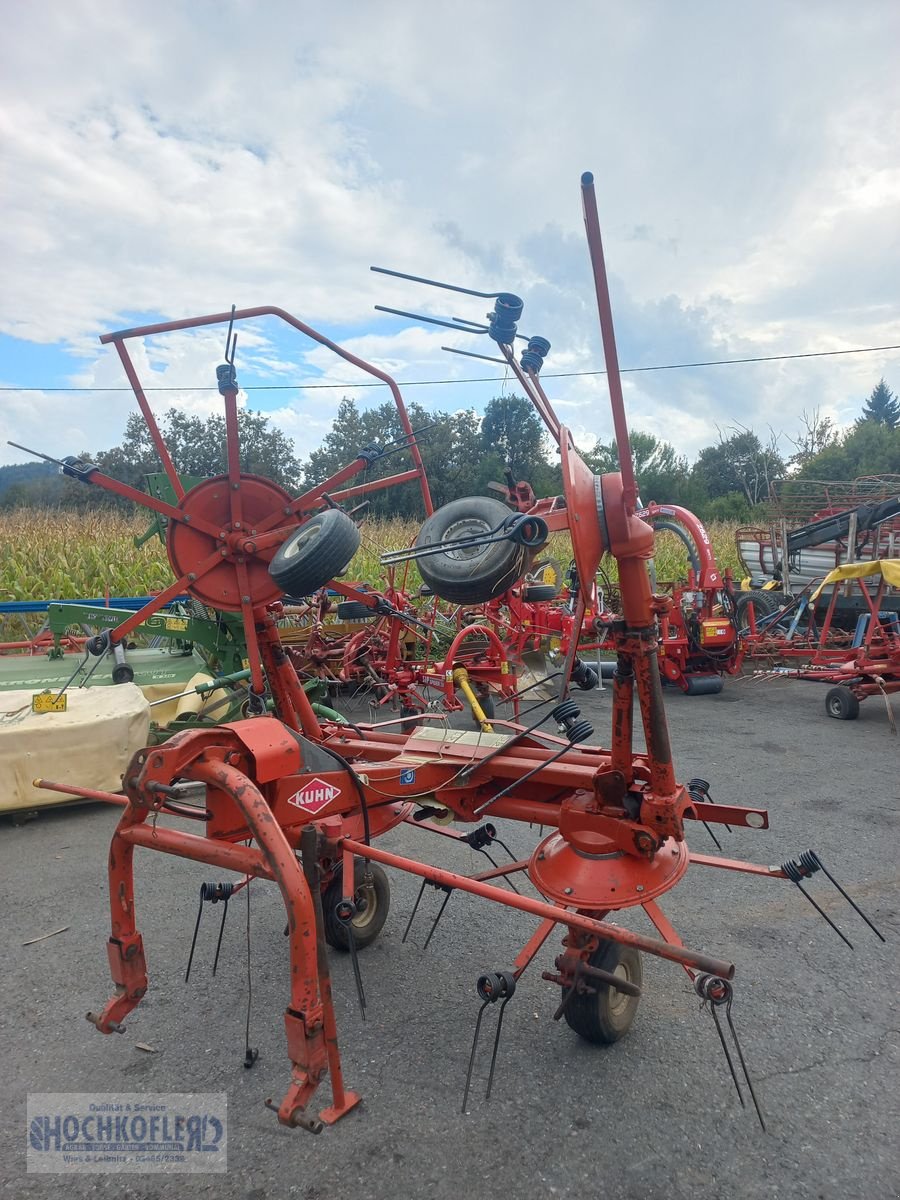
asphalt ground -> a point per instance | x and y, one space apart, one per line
655 1115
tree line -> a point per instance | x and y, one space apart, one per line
463 452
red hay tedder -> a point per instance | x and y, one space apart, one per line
302 801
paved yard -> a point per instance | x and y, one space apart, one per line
654 1116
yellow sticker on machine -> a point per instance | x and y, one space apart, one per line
45 702
177 624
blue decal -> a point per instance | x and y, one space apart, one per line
407 777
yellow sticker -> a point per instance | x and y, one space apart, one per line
177 623
44 702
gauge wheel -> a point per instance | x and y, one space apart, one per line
539 593
841 704
318 551
353 610
373 903
476 573
605 1015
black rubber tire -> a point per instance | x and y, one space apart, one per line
704 685
604 1016
841 704
367 924
535 593
548 572
477 575
764 604
353 610
320 549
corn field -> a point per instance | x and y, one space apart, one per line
55 554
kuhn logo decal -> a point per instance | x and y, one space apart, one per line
314 796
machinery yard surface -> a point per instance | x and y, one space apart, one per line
655 1115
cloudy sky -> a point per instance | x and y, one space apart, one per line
170 160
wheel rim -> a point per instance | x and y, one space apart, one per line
620 1002
292 548
465 528
364 919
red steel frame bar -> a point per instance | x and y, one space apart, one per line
145 408
243 314
577 920
595 247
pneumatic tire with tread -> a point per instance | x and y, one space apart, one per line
474 575
369 922
764 604
318 551
537 593
605 1015
353 610
841 704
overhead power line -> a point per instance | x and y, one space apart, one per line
311 387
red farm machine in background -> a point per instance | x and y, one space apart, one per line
828 574
301 800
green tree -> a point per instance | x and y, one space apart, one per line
197 447
816 434
512 430
661 473
882 407
739 463
870 448
449 443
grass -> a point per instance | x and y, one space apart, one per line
51 554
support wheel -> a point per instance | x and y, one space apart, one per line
318 551
605 1015
841 704
474 574
353 610
539 593
373 903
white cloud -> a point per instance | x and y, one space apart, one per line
175 161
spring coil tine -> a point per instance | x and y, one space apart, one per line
564 711
415 909
808 863
801 868
579 731
497 985
718 993
210 893
740 1054
345 911
567 714
698 789
434 924
509 986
